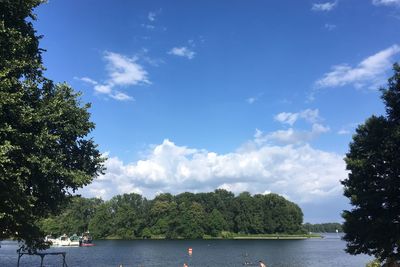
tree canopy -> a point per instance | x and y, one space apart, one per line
45 152
373 184
186 215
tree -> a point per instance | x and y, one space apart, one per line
100 224
74 218
45 154
215 223
373 183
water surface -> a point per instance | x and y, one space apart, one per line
276 253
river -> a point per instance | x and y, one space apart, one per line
328 251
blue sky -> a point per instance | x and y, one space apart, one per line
261 96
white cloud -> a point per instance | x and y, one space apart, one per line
124 70
369 72
287 117
87 80
182 52
328 6
386 2
121 96
291 136
309 115
301 173
348 128
103 89
343 132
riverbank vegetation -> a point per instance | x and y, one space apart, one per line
323 227
218 214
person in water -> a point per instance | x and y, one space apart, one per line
185 265
262 264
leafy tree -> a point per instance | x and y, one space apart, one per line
128 215
74 218
101 224
161 214
191 220
45 154
215 223
323 227
373 183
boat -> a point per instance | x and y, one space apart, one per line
64 241
86 240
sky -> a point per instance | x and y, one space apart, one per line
259 96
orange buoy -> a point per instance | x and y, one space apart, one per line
190 251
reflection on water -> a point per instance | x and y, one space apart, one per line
276 253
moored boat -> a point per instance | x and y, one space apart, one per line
64 241
86 240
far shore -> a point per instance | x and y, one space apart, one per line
234 237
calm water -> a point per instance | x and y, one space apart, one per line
276 253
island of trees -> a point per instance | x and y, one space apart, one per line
187 215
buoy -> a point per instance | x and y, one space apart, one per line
190 251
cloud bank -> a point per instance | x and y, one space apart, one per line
300 173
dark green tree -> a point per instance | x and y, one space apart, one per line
191 220
101 224
74 219
45 154
215 223
373 183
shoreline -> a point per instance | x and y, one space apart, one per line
236 237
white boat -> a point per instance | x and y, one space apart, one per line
64 241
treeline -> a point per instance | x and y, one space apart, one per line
323 227
187 215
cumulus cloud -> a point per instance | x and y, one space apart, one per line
328 6
369 72
300 172
182 52
386 2
122 71
292 136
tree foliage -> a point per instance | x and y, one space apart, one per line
373 184
186 215
323 227
45 154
